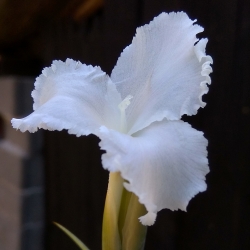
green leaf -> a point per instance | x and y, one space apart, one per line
79 243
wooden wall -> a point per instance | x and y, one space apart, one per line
76 183
22 186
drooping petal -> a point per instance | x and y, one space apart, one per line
73 96
163 70
164 164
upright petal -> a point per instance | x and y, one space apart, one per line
164 164
73 96
163 70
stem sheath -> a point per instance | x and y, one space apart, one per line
121 227
133 232
111 239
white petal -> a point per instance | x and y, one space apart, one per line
148 219
165 164
73 96
163 71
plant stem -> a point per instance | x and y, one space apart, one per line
133 232
126 195
121 227
111 239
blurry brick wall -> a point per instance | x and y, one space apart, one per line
21 171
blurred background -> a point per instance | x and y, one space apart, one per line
53 176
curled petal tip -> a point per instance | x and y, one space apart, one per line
44 72
78 65
16 123
67 61
22 126
148 219
53 67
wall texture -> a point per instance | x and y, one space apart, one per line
21 172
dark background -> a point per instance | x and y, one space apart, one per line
75 180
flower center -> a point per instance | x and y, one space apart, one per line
123 106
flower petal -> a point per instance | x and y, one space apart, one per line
163 70
74 96
164 164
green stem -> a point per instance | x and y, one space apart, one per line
110 232
121 227
123 209
133 232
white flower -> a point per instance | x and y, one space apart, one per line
136 111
